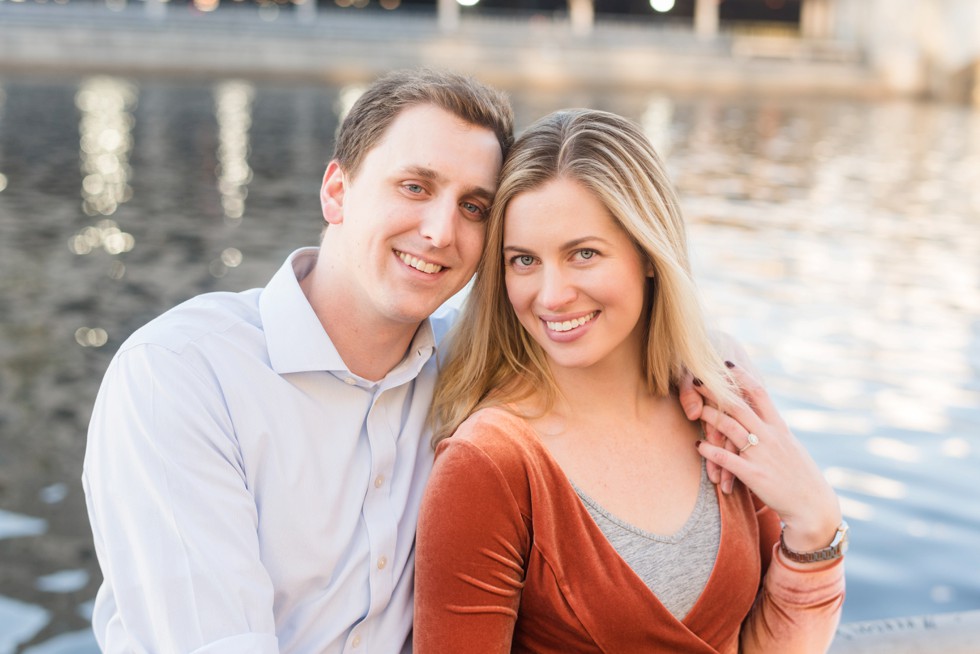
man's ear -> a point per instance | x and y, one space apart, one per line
332 194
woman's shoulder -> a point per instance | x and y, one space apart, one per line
498 433
496 448
497 419
491 426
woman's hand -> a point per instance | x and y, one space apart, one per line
763 453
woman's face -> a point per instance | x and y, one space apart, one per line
576 281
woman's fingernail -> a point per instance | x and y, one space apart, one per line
697 382
729 364
697 445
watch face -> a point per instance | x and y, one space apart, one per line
844 540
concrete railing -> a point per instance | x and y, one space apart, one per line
344 46
949 633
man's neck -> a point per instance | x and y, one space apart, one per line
369 347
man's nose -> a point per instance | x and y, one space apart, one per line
439 223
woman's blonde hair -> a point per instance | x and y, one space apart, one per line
492 359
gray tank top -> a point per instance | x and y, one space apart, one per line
676 568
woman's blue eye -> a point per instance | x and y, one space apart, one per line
587 254
414 188
525 260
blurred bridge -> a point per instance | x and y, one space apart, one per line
855 48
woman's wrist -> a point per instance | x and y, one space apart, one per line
830 549
810 537
815 527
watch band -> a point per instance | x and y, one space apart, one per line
833 551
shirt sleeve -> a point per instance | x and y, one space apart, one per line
797 611
471 549
172 515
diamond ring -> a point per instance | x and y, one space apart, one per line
753 440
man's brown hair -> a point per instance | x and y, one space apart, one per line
372 113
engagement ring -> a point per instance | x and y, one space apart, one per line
753 440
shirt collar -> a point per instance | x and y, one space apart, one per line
295 338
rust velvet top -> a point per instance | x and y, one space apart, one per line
508 559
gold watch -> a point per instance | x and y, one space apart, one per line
833 551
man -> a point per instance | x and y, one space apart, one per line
255 460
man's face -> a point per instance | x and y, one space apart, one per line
407 230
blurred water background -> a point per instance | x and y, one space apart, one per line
838 240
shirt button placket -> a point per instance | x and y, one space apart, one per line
382 529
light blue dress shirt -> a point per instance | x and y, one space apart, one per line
247 493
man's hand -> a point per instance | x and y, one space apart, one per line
693 403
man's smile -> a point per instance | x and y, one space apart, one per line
419 264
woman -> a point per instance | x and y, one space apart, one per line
571 509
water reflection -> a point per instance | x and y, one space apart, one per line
233 104
106 105
3 178
891 448
104 234
348 96
839 242
958 448
866 483
230 258
63 581
656 123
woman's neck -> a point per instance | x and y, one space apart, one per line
608 389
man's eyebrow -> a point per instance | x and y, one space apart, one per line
423 172
433 175
482 193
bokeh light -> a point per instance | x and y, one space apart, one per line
106 105
233 109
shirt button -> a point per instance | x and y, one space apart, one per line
379 481
355 641
350 381
382 562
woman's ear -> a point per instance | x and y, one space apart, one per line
332 194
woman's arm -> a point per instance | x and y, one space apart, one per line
797 611
471 548
799 605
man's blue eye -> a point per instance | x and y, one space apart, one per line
473 208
